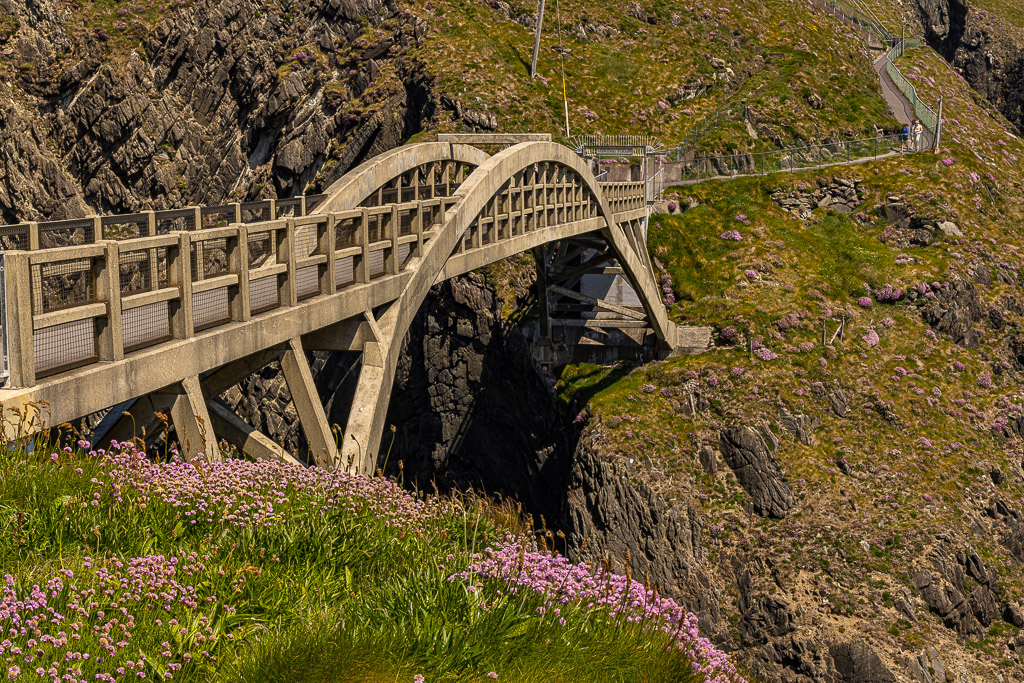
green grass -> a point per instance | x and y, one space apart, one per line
357 593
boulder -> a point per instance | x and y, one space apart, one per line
744 450
857 662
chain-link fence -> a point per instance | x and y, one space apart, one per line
788 160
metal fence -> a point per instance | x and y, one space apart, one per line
786 160
704 127
857 15
928 116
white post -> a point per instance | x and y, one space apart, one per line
536 40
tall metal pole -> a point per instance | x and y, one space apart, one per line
536 40
938 128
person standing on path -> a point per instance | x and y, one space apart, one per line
918 132
904 137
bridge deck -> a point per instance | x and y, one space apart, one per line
93 322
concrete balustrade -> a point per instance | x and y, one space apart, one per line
189 295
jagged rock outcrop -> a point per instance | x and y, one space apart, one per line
954 310
840 194
757 471
229 99
607 513
992 60
856 662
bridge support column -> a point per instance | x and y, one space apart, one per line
192 422
138 421
372 395
246 438
307 404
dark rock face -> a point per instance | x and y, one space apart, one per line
856 662
223 103
755 468
607 514
990 62
768 616
471 408
963 591
954 311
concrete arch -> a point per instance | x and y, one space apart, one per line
373 392
359 183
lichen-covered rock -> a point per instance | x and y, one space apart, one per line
954 311
857 662
747 455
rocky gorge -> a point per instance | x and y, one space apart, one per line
208 102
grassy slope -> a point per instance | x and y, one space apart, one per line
900 490
280 575
780 55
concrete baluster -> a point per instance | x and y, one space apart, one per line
363 235
391 264
326 244
107 274
287 290
238 262
33 236
179 272
18 289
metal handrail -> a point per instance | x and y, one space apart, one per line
924 113
793 158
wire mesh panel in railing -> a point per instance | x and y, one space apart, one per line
63 284
64 346
146 325
53 234
209 258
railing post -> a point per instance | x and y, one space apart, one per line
238 212
153 263
179 271
326 244
18 290
417 226
363 268
33 236
302 205
97 230
287 290
391 265
238 262
272 209
107 271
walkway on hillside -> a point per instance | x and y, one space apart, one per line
898 103
799 169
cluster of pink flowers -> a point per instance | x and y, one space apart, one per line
888 295
563 583
77 627
240 493
731 235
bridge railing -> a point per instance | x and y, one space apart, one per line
87 299
85 303
34 235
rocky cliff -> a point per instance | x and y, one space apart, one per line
988 50
118 110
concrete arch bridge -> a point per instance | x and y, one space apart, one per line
163 311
